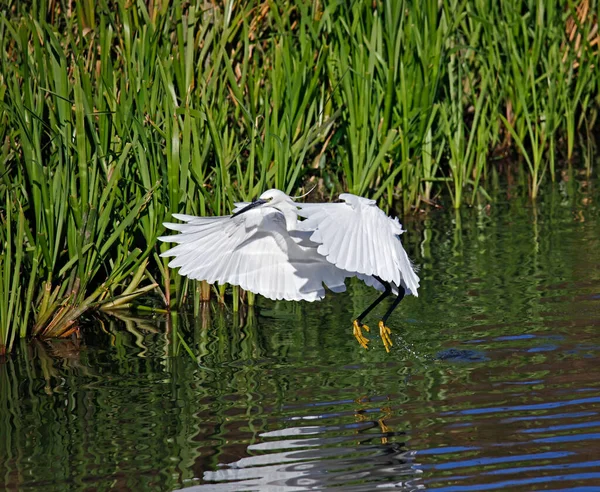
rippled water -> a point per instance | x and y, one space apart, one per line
493 381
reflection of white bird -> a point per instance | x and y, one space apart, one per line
286 250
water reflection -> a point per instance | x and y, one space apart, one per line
492 382
354 459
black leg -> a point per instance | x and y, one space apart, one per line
400 296
386 293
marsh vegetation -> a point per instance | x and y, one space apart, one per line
115 114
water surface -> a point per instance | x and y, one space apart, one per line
492 382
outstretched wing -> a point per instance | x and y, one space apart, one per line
358 236
252 250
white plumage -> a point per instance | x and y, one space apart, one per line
357 236
286 250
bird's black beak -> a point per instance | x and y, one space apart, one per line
256 203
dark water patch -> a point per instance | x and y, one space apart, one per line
458 355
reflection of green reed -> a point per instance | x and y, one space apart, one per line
115 115
511 254
61 405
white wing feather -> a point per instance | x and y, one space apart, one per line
253 250
358 236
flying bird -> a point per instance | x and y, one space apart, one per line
283 249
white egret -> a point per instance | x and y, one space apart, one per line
282 249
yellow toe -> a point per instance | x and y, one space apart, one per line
357 331
385 332
384 428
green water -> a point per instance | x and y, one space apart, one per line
492 382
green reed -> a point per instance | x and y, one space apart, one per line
116 114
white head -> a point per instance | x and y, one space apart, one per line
278 199
272 198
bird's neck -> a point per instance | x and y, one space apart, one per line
291 219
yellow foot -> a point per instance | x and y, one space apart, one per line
384 331
364 341
384 430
